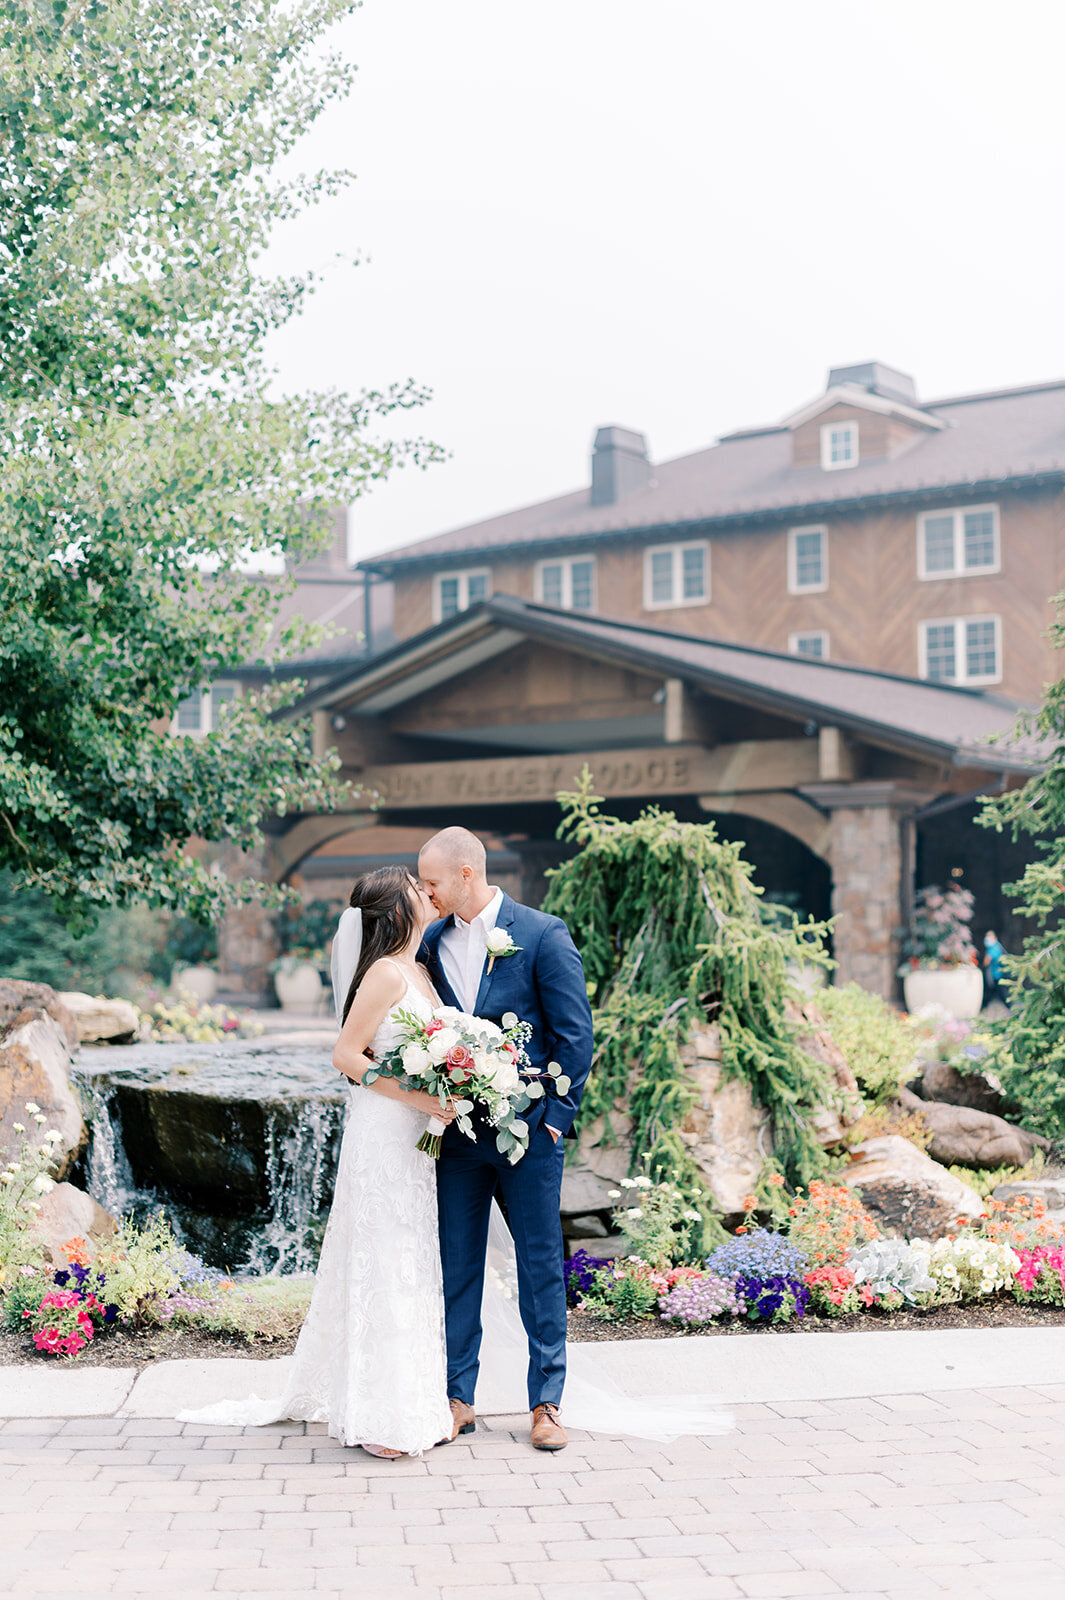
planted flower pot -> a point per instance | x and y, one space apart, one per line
298 987
201 982
959 990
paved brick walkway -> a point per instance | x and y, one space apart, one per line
960 1492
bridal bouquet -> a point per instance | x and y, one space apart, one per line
467 1062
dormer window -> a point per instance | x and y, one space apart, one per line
839 445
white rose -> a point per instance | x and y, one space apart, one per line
497 941
440 1043
415 1059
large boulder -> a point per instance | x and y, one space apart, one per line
907 1193
101 1021
979 1091
727 1134
962 1137
34 1061
69 1213
846 1107
21 1001
1051 1191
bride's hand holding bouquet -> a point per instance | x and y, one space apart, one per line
462 1063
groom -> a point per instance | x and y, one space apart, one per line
489 955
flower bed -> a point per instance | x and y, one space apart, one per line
823 1254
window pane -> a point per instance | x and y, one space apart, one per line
981 657
809 562
979 539
221 694
581 585
476 588
810 644
661 576
693 559
841 444
939 651
449 597
939 544
551 584
188 712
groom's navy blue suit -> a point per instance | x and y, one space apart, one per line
543 984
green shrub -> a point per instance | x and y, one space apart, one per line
261 1309
876 1042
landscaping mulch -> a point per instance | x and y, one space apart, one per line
138 1349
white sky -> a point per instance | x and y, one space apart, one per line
674 215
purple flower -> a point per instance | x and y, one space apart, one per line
580 1271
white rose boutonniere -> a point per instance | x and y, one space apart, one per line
499 945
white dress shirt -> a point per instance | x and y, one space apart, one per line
464 948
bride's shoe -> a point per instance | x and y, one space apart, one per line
383 1451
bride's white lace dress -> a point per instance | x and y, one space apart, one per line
370 1359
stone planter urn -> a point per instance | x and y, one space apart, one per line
199 981
959 990
299 987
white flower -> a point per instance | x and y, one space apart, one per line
613 1194
53 1136
627 1183
691 1216
7 1177
32 1108
499 943
40 1117
642 1182
440 1043
415 1058
41 1184
634 1211
18 1127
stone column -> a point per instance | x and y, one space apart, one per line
870 853
247 942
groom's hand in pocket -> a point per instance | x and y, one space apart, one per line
555 1135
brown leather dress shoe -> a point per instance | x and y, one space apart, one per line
547 1432
464 1420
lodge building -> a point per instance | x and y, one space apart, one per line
808 632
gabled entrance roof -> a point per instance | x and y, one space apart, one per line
937 721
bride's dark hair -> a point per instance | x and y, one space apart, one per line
388 920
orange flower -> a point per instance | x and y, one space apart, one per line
776 1180
76 1252
750 1201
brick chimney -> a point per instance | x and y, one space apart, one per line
619 465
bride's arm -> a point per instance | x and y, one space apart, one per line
379 990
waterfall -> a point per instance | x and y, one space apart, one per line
237 1144
109 1178
301 1159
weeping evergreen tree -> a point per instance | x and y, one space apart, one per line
674 934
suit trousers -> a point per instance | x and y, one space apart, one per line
469 1173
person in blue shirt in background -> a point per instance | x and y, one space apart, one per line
995 981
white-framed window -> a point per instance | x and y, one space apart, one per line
960 649
457 591
807 560
812 642
201 711
567 581
958 542
839 445
676 575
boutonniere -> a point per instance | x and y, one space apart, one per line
499 945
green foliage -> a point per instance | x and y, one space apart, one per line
146 456
262 1309
670 927
877 1044
307 927
1032 1067
623 1292
986 1180
661 1224
36 943
29 1172
190 943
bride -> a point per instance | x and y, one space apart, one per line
370 1360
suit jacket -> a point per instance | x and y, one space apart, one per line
543 984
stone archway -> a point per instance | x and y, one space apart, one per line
782 809
307 834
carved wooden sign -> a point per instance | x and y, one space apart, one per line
663 770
